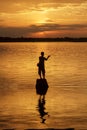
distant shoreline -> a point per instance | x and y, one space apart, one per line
22 39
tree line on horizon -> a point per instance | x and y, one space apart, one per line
30 39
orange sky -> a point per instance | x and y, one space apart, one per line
43 18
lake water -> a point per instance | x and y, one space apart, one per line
66 74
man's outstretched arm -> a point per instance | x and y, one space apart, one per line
47 57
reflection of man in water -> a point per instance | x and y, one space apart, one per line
41 109
41 66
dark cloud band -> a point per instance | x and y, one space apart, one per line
23 31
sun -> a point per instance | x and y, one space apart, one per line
42 20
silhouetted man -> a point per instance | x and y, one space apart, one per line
41 66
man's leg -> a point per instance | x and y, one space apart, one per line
39 72
43 72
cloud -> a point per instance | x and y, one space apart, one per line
20 13
24 31
12 6
1 20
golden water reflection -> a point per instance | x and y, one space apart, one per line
66 99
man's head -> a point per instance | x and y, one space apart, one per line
42 53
